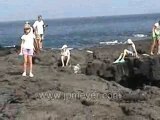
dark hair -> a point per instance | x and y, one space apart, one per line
39 16
159 22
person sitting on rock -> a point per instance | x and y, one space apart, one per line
65 55
130 51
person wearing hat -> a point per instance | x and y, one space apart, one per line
27 48
39 28
65 55
155 37
28 24
130 51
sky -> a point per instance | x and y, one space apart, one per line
12 10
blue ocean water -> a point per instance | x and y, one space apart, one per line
84 32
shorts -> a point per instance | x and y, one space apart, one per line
38 37
42 36
27 52
156 37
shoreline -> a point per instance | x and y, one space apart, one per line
101 44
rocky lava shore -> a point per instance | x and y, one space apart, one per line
100 91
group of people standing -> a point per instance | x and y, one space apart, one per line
31 41
33 37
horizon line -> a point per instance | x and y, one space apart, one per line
61 18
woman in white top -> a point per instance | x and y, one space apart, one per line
65 54
130 51
27 48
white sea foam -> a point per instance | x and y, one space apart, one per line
109 42
140 35
61 48
10 46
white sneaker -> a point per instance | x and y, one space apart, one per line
24 74
122 61
117 61
31 75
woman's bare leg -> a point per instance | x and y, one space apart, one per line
30 64
124 54
62 60
25 65
158 47
119 58
153 46
68 58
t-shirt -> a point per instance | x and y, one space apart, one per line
156 31
28 41
39 26
65 53
130 48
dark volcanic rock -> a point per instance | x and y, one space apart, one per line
59 94
133 73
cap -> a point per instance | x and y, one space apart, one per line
27 26
129 41
64 46
26 22
156 24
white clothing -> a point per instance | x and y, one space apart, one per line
27 25
131 48
65 52
38 25
157 25
28 41
31 32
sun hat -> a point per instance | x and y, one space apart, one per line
156 24
27 26
27 22
64 46
129 41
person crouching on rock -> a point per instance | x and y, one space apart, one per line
156 37
27 48
130 51
65 55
